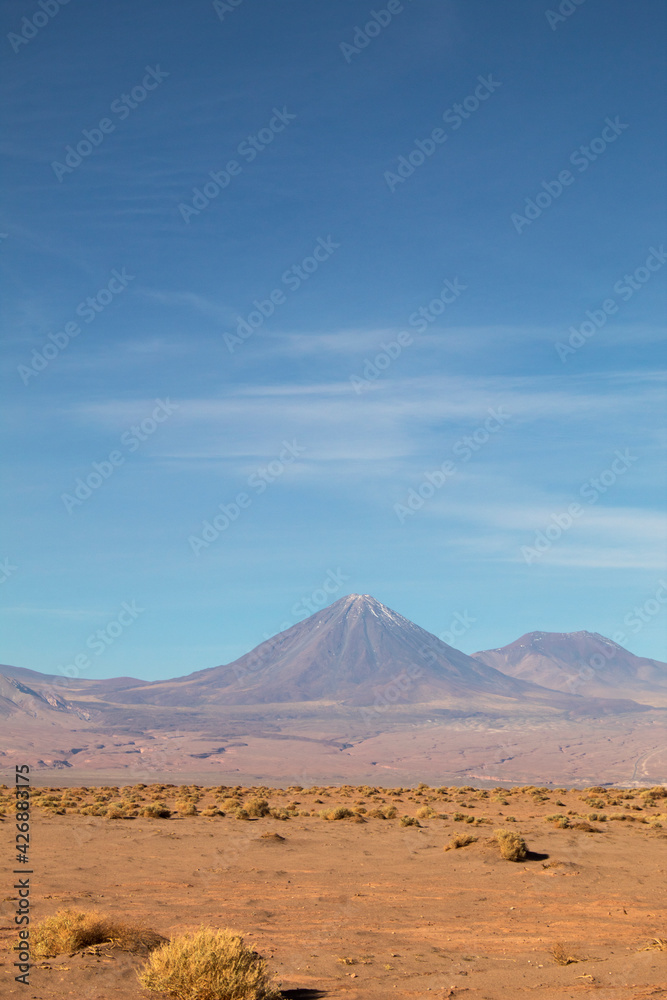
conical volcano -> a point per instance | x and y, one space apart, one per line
355 652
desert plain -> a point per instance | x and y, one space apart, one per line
349 892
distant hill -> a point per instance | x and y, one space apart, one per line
582 663
356 652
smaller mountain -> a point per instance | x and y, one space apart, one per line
18 698
358 652
583 663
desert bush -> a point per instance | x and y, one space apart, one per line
258 807
558 820
585 827
187 808
230 804
70 930
460 840
212 811
512 845
156 810
426 812
341 812
279 814
208 965
389 812
117 811
409 821
561 955
458 817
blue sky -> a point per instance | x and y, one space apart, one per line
351 193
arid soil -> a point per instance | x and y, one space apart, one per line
385 748
361 906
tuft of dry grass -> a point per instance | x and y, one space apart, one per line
460 840
208 965
512 845
70 930
156 810
341 812
258 807
561 955
655 944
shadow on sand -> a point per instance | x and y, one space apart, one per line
303 994
534 856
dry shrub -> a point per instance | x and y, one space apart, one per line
258 807
460 840
384 812
561 955
585 827
512 845
426 812
339 813
208 965
655 944
280 814
410 821
156 810
271 836
70 930
186 808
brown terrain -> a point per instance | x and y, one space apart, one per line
358 903
581 663
355 693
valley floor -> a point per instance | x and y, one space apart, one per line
361 906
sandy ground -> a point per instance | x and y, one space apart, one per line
374 909
356 746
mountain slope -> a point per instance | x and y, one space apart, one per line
583 663
356 652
